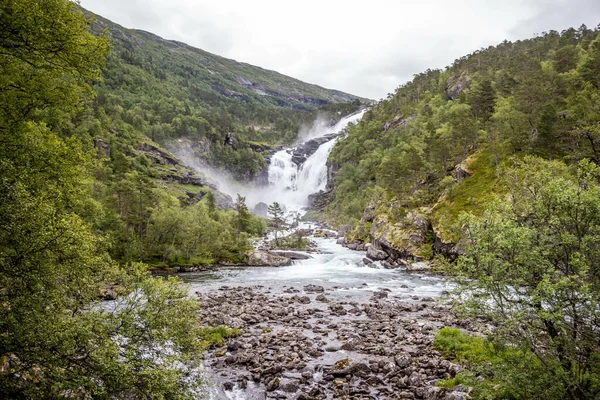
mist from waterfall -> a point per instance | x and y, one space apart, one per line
288 183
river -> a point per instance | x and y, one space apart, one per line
303 323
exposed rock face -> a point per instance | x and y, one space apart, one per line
398 120
308 148
400 240
445 248
102 147
159 155
259 258
461 171
319 200
455 86
369 213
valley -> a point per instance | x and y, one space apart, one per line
180 225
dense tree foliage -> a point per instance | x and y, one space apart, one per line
536 96
531 265
56 339
499 152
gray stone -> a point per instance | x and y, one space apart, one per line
259 258
308 148
376 254
292 255
314 289
261 209
418 266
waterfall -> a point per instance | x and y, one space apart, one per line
290 184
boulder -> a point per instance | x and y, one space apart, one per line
352 245
376 254
260 258
322 298
314 289
418 266
261 209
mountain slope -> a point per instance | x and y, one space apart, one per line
440 144
233 113
211 77
155 94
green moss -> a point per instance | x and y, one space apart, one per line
460 346
470 195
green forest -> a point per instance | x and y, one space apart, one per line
439 143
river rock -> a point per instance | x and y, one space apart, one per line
314 289
376 254
322 298
260 258
352 245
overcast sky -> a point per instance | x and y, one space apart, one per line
366 48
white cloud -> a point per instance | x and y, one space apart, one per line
365 48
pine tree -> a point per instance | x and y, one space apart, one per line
276 212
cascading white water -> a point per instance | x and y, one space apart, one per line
291 185
283 171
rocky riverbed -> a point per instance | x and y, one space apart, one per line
316 342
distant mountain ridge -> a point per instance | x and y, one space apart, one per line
226 78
